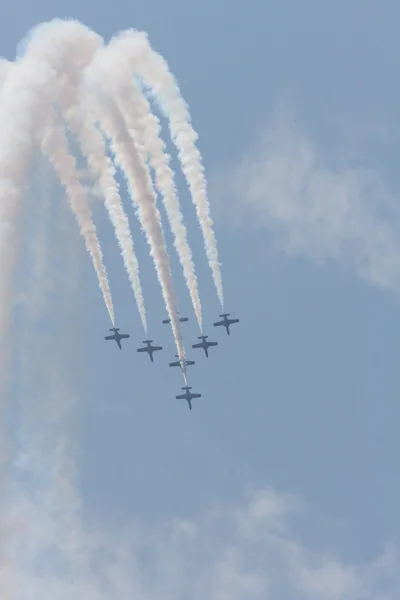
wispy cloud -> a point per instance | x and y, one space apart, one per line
322 212
242 552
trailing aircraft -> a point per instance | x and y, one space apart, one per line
226 322
178 363
117 336
204 344
149 349
181 319
188 396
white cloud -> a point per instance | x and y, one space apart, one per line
310 209
213 557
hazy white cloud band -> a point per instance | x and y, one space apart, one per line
246 551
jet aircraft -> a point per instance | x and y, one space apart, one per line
149 348
226 322
204 344
181 320
117 336
188 396
178 363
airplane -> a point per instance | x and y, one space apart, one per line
181 320
226 322
178 363
204 344
117 336
188 396
149 348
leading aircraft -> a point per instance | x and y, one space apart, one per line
226 322
181 320
117 336
149 348
178 363
188 396
204 344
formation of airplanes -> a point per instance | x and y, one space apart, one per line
204 344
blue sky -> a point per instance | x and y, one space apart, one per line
296 108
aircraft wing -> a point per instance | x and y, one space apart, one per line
196 395
181 397
110 337
218 323
124 336
166 321
142 350
201 345
175 364
157 348
213 343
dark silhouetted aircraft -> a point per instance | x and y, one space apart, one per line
204 344
188 396
178 363
149 349
181 319
226 322
117 336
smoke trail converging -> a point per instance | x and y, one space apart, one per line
65 67
25 100
55 145
84 45
102 168
142 194
111 66
154 71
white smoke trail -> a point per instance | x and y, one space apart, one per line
5 70
78 44
84 44
28 88
102 168
153 68
22 105
37 214
112 66
142 195
55 146
44 496
21 109
148 130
